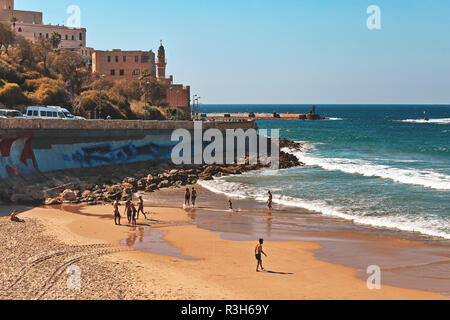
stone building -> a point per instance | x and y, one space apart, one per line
30 25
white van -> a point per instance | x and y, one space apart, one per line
44 113
68 115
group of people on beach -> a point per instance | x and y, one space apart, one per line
130 211
190 198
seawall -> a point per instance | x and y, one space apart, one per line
30 146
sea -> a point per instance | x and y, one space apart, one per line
381 166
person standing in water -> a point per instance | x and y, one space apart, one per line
141 208
270 201
193 196
133 213
116 212
128 210
258 254
187 198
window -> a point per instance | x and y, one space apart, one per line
136 72
73 37
43 113
145 59
122 72
29 113
136 59
81 36
35 113
109 58
124 58
46 35
40 35
113 72
54 114
117 58
20 30
67 37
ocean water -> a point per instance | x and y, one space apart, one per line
381 166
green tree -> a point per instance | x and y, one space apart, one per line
12 95
72 69
55 40
6 37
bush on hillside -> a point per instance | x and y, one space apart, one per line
12 95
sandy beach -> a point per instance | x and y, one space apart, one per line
165 257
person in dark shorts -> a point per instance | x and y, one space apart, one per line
270 200
116 213
133 213
187 198
230 204
141 208
258 254
193 197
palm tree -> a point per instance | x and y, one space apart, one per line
55 40
13 22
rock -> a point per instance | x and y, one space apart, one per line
53 201
164 184
68 195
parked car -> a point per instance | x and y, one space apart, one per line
10 113
36 112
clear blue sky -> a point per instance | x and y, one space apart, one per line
281 51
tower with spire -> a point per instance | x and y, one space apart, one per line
161 62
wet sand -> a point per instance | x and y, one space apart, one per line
185 254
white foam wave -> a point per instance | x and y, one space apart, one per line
439 121
426 178
419 224
335 119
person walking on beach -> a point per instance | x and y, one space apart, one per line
141 208
128 210
133 213
258 254
187 198
270 201
230 204
193 197
116 212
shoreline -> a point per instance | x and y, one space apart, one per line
219 267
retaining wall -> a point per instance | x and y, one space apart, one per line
32 145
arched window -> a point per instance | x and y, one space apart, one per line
20 30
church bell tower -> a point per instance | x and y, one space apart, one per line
161 63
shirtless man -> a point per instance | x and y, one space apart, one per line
230 204
128 210
116 212
270 200
258 254
133 213
193 197
141 208
187 198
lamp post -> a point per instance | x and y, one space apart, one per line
145 99
198 106
194 98
100 97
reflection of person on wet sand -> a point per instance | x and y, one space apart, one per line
269 201
187 198
14 217
116 212
258 254
141 208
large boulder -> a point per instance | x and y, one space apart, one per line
68 195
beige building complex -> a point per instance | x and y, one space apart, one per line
114 65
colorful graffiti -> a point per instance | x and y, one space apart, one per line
16 155
108 154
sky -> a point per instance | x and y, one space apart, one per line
281 51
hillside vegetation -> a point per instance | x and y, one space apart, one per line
40 74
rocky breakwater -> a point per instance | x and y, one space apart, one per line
108 184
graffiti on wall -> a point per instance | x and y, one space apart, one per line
108 154
16 155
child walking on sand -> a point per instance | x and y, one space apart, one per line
258 252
